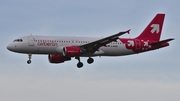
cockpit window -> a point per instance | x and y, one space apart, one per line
18 40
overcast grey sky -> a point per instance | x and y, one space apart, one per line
150 76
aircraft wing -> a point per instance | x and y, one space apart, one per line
95 45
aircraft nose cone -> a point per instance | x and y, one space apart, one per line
9 47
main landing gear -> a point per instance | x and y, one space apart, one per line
80 64
90 60
29 56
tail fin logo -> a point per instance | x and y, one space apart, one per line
155 28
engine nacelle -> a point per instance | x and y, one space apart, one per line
53 58
71 51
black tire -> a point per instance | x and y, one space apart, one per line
80 64
90 60
29 62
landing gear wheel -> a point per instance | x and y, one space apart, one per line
29 56
29 61
90 60
79 64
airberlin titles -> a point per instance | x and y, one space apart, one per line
47 44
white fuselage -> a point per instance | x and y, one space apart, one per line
52 44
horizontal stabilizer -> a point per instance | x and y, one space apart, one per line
162 42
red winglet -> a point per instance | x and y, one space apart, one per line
128 31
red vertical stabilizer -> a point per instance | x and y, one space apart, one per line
154 29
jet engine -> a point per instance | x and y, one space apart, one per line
53 58
71 51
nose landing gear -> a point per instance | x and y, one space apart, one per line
29 56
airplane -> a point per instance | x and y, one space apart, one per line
62 48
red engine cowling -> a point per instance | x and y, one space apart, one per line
71 51
53 58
